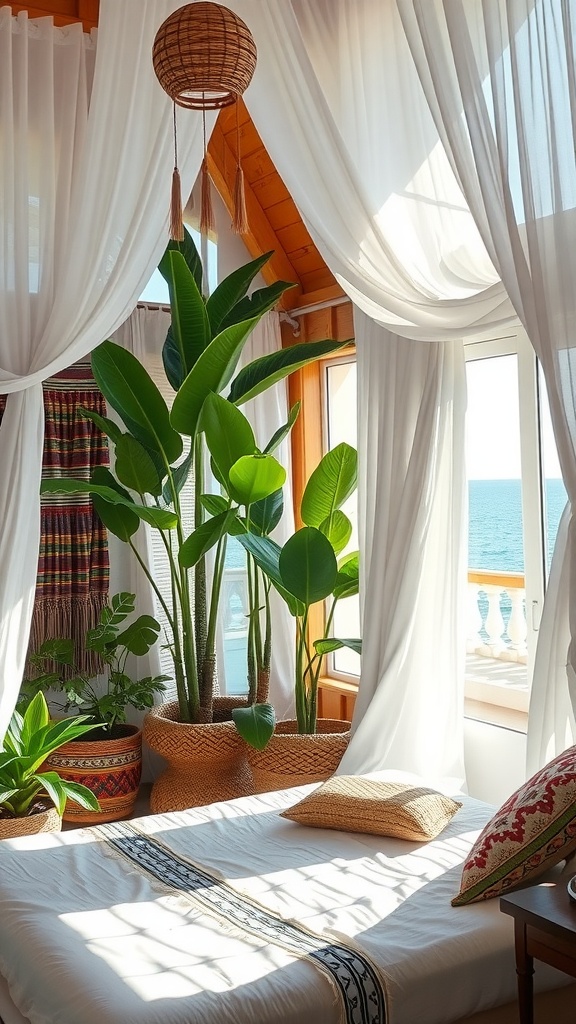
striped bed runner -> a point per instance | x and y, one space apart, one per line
350 972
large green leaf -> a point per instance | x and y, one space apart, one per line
211 373
214 503
338 528
255 724
267 513
262 373
161 519
254 477
106 425
333 480
229 292
332 644
348 579
190 254
139 636
266 554
308 566
179 477
191 332
118 519
228 433
283 431
204 538
131 391
172 361
134 467
256 304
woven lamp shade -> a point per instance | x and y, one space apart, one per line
204 56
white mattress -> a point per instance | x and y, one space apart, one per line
87 937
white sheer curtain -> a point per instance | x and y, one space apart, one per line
410 705
82 173
500 81
268 412
337 101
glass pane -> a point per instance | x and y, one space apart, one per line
496 634
340 385
555 496
493 465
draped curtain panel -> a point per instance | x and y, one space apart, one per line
85 172
336 97
500 82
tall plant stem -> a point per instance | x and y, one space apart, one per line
251 661
200 586
300 686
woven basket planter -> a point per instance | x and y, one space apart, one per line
31 824
294 759
206 762
111 768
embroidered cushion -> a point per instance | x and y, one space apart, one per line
353 803
533 830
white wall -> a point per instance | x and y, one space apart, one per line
495 760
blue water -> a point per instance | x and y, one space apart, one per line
495 525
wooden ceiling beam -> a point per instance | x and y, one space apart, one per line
64 12
260 236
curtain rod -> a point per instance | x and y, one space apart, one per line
338 301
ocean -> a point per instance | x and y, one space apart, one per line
495 523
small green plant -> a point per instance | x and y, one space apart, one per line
113 645
29 740
305 571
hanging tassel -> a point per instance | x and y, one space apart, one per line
207 222
176 223
240 220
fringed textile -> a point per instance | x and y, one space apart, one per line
73 566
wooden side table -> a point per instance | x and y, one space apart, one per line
544 929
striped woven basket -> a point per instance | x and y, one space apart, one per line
206 762
31 824
294 759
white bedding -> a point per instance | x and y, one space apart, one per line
86 938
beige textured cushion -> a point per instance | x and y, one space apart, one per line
352 803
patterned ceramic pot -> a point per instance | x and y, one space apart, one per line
111 768
205 762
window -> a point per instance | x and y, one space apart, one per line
339 401
516 497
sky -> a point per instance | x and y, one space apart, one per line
492 422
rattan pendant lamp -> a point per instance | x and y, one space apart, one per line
204 57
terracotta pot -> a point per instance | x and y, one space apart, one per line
294 759
206 762
111 768
41 821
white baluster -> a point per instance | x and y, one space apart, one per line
494 624
517 628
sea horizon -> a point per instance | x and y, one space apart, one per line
495 522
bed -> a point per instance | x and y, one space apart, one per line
230 914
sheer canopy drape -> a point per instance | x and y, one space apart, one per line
337 101
83 168
499 78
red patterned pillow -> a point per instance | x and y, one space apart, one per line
533 830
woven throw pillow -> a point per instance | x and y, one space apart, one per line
531 832
352 803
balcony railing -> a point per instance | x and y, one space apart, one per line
497 615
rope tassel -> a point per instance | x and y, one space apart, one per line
240 220
207 222
176 222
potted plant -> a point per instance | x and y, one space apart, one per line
32 799
305 571
154 455
109 761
